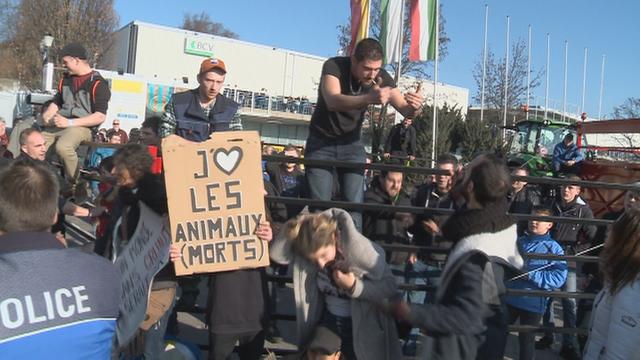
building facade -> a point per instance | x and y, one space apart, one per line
276 88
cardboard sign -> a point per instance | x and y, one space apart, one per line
140 260
216 201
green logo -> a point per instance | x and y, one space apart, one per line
199 46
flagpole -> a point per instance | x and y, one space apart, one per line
484 61
399 52
564 91
435 84
506 81
528 73
369 18
584 79
399 49
601 89
546 85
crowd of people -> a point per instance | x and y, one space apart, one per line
349 303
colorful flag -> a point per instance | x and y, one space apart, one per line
359 22
423 30
391 29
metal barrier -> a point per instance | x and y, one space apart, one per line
422 210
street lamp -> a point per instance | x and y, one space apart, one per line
47 65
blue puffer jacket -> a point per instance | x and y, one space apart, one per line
563 153
549 278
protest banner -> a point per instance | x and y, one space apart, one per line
139 261
216 201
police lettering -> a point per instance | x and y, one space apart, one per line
49 305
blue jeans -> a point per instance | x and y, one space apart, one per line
416 275
569 314
320 179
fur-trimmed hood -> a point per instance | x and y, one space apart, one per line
500 246
489 230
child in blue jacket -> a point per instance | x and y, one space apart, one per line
541 274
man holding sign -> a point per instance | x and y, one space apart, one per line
217 211
217 222
194 115
347 87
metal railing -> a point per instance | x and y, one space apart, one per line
262 102
415 248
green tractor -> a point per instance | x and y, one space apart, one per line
532 143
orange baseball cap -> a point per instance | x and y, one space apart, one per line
211 64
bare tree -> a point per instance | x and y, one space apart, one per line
202 23
630 109
495 82
413 68
88 22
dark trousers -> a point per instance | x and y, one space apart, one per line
250 345
527 340
342 327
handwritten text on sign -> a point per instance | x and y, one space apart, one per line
145 254
215 201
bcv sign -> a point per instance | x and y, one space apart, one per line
198 46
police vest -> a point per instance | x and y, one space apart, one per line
191 122
57 303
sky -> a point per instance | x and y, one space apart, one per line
310 26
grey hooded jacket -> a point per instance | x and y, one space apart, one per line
374 332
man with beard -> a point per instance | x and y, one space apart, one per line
348 85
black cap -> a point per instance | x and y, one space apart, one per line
74 50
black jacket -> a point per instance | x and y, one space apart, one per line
428 196
386 226
469 318
570 233
523 202
401 141
276 173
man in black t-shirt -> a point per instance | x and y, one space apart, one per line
347 86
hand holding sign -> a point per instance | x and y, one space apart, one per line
264 232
